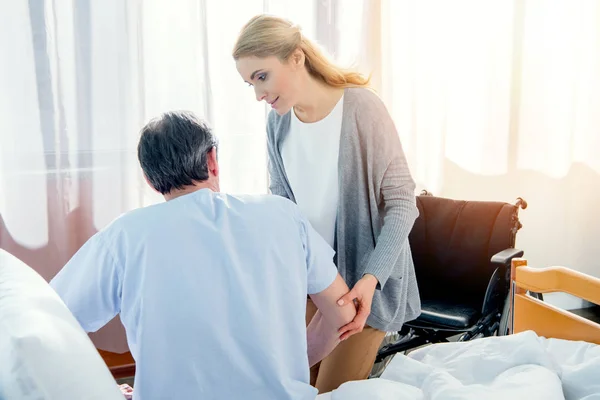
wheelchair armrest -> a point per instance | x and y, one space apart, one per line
504 257
500 280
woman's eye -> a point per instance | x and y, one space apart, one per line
262 77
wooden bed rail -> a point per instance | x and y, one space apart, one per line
546 320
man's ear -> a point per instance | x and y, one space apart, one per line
213 163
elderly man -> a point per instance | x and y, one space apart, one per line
211 288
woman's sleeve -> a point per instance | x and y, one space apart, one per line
276 185
397 191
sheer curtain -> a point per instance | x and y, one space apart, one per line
493 86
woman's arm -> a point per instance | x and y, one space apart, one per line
397 191
397 188
390 172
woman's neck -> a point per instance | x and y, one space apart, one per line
318 101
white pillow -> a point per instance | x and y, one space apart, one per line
44 353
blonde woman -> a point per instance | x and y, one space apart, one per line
333 149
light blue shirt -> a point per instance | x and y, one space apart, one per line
212 291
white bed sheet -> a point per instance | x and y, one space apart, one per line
522 366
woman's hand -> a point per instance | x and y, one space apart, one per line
363 293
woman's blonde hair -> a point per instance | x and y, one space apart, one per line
266 35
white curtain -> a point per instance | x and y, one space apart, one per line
492 99
493 85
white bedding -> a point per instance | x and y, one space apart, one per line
522 366
44 352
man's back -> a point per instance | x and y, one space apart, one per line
212 292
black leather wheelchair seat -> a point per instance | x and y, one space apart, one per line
442 313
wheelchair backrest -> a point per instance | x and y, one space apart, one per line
452 242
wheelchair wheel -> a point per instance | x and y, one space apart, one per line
504 318
379 367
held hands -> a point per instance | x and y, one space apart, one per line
363 293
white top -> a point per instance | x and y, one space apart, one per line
212 292
310 157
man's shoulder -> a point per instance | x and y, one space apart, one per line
136 216
269 201
276 208
142 220
132 221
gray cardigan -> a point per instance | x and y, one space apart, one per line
377 206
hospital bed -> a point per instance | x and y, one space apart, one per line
549 354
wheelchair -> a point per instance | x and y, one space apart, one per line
462 251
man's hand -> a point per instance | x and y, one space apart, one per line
363 293
127 391
319 339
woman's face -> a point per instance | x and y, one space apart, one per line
275 82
